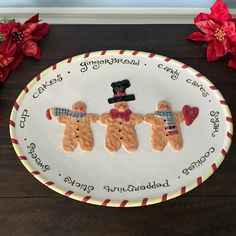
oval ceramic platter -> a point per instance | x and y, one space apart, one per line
121 128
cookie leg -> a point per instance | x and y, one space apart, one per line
112 143
130 144
69 144
86 141
175 142
158 142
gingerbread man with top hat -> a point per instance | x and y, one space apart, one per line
120 120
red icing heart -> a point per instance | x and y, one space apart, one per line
48 115
190 114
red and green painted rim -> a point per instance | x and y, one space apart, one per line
123 203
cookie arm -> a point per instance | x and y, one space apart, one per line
103 118
179 117
136 118
149 118
93 118
62 119
56 112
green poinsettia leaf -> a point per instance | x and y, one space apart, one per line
2 38
6 20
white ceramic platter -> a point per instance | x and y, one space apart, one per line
120 179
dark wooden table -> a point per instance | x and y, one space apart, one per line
29 208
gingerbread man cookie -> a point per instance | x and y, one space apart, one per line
77 126
120 122
165 126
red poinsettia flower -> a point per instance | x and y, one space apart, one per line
17 60
9 58
25 36
32 31
219 31
19 41
232 62
5 71
7 52
6 28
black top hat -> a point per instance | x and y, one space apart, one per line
119 88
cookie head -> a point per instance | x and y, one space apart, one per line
79 107
121 106
163 106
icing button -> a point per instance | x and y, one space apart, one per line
121 138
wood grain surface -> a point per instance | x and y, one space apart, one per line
29 208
